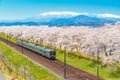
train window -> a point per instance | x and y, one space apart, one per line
50 53
54 53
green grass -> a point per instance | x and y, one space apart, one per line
8 37
18 61
88 66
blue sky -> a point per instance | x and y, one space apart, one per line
20 9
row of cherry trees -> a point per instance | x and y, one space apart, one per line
81 39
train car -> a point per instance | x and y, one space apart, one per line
49 53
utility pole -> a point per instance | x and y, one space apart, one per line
97 46
22 45
65 64
7 38
97 62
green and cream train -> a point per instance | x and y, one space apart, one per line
49 53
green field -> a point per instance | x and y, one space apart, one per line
8 37
90 66
18 62
106 72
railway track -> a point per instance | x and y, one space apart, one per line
55 66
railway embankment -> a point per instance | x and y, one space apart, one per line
22 68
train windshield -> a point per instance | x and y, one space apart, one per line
53 53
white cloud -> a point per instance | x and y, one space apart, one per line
107 15
62 14
72 14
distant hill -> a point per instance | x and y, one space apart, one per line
80 20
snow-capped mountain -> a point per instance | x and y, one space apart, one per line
66 19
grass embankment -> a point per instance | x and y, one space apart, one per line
8 37
7 74
106 72
90 66
20 64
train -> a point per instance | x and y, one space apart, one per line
46 52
